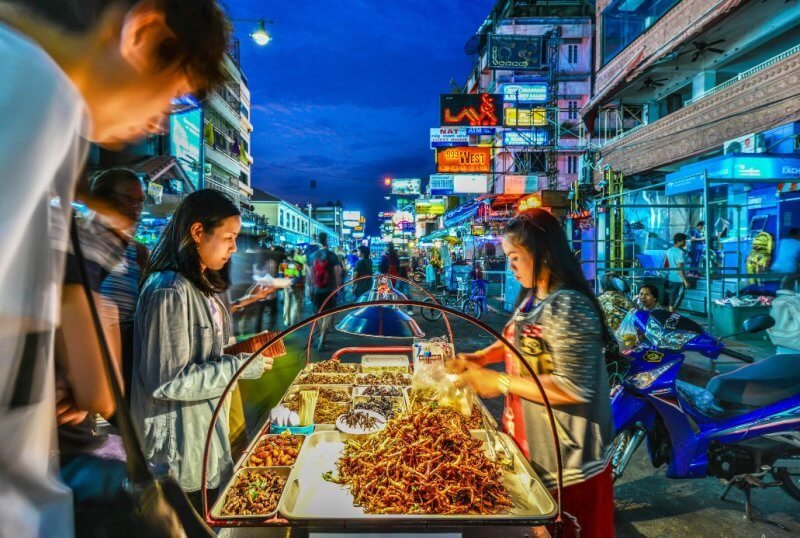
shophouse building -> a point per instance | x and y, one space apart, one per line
288 223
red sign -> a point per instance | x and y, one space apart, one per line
463 159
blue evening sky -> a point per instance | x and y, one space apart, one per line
347 90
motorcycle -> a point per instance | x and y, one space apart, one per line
743 426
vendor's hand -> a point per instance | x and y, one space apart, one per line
463 362
67 411
267 362
482 380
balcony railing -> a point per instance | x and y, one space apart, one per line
741 76
218 184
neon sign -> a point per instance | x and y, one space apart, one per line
463 159
524 117
471 109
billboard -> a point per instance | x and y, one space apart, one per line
533 137
185 141
470 184
525 117
430 206
441 184
513 184
406 185
524 93
444 137
351 215
474 109
463 159
516 52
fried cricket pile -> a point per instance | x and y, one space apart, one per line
422 463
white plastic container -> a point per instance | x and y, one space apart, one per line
376 364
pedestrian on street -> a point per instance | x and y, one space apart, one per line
560 333
324 276
676 277
293 295
73 72
181 327
273 258
362 268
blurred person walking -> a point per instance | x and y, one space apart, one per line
72 72
324 276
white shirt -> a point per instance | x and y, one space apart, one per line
41 154
676 258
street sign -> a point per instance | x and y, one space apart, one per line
464 159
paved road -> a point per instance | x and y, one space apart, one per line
647 504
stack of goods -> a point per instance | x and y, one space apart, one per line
422 463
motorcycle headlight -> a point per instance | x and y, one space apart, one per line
643 380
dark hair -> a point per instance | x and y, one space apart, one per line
540 233
701 223
104 184
323 239
176 250
201 31
363 251
650 288
678 237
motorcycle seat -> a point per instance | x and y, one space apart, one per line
759 384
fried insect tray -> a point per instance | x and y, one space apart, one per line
308 497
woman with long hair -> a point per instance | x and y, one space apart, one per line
181 326
558 328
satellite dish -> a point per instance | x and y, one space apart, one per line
473 45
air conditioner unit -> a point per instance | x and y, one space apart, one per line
752 143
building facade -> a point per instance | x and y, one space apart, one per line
288 223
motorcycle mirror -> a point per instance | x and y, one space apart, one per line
620 285
758 323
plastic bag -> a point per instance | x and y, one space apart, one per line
626 334
434 384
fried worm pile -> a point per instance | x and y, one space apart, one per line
422 463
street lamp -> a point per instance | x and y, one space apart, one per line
260 35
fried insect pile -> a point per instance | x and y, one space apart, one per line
254 493
422 463
333 367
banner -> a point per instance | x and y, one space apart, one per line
516 52
525 117
430 206
524 93
475 109
406 185
464 159
185 142
514 184
533 137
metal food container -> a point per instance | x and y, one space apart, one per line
361 380
353 366
311 378
308 497
216 510
245 461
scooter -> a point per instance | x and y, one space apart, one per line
743 427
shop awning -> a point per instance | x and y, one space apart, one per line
462 213
734 168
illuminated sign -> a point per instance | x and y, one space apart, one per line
478 229
530 202
351 223
475 109
441 184
430 206
464 159
513 184
402 216
403 185
517 52
444 137
524 93
470 184
185 141
534 137
524 117
753 167
351 215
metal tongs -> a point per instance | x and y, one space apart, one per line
493 442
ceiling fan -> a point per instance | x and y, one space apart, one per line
701 48
651 83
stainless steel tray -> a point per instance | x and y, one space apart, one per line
244 461
326 379
308 497
310 366
361 377
216 510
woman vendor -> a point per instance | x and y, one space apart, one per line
559 331
181 327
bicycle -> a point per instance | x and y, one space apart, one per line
466 299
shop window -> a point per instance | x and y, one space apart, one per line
625 20
572 54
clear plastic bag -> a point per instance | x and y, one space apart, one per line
627 335
434 384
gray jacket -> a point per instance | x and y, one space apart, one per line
179 373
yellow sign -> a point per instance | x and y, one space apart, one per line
525 117
530 202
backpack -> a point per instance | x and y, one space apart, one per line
322 271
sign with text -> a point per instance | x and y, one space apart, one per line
534 137
524 93
470 184
444 137
430 206
441 184
474 109
516 52
351 215
463 159
185 142
406 185
514 184
525 117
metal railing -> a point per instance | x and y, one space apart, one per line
217 185
741 76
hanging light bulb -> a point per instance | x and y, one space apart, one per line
260 34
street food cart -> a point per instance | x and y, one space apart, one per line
424 466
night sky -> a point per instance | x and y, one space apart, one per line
347 90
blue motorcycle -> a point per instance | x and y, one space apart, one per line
743 427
